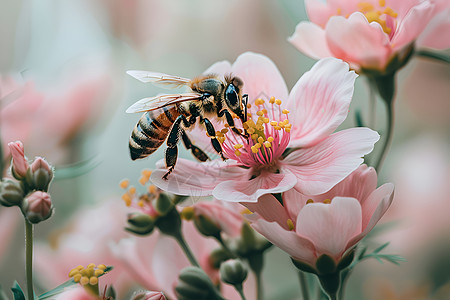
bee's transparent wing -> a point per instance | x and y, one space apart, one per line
153 103
161 79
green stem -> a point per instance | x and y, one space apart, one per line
344 278
259 287
240 290
390 134
29 258
303 285
185 247
225 246
433 55
372 104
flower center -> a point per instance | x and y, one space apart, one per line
268 131
382 14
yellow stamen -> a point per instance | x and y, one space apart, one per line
98 272
90 266
73 272
309 201
259 113
390 12
84 280
224 131
127 199
270 139
152 189
124 183
77 277
246 211
249 106
132 190
278 101
290 224
267 144
272 100
365 7
101 267
264 111
238 146
146 173
258 145
237 153
254 136
93 280
141 203
287 130
277 127
188 213
339 10
143 180
274 123
259 101
327 201
285 111
260 140
382 3
254 149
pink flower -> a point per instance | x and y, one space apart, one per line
37 207
155 261
19 162
291 144
149 296
77 293
367 34
307 227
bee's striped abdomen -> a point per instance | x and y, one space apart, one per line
151 131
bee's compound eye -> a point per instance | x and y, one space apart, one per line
231 96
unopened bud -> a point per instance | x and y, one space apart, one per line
163 204
140 224
19 164
149 296
193 283
170 224
233 272
40 175
206 226
218 256
37 207
11 193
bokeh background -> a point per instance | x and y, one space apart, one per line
64 92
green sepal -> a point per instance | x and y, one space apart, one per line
17 291
218 256
207 227
325 264
330 283
193 283
170 224
303 267
346 259
163 204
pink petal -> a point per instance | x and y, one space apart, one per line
310 39
241 189
219 68
261 77
437 33
298 247
195 179
319 101
373 209
294 201
356 41
322 166
270 210
412 25
330 226
318 11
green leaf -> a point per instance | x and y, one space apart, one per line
379 249
77 169
17 291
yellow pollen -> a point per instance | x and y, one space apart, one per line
378 15
224 131
226 125
246 211
274 123
91 266
390 12
277 127
127 199
272 100
146 173
237 153
77 277
278 102
249 106
254 149
219 133
264 111
267 144
132 190
73 272
98 272
124 183
285 111
270 139
365 7
238 146
152 189
259 101
84 280
290 224
287 130
101 267
221 139
382 3
309 201
141 203
93 280
260 140
266 120
288 125
327 201
188 213
259 113
143 180
254 136
251 130
258 145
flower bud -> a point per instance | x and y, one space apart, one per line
170 223
40 175
163 204
233 272
218 256
19 165
11 193
193 283
206 226
140 224
149 296
37 207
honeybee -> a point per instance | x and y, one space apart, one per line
169 116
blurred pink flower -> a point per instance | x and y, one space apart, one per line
55 117
260 165
155 261
9 219
19 162
149 296
369 34
77 293
85 240
37 207
307 227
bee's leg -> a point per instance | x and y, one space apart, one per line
212 134
230 121
172 141
197 152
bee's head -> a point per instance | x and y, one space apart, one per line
233 97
